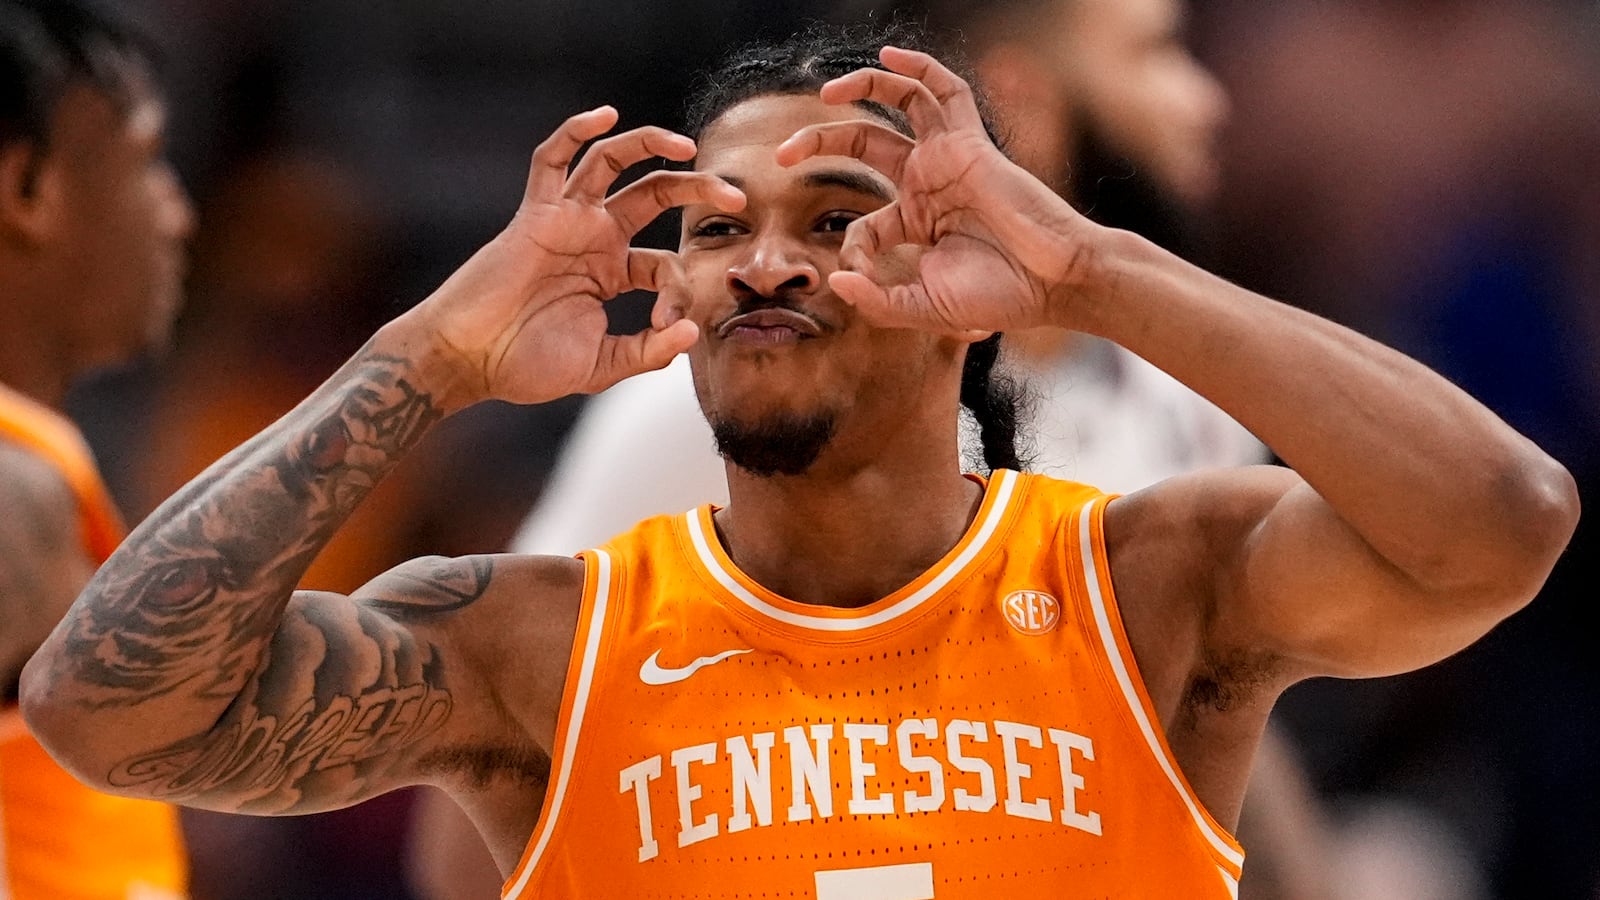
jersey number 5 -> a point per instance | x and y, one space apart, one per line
912 881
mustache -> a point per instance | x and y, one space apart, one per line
783 299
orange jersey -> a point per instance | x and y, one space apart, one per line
60 840
981 732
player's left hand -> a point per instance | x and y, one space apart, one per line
997 242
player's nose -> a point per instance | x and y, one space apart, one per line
772 266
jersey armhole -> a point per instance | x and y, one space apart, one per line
601 588
1087 548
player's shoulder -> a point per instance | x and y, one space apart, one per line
488 603
1204 511
1178 544
514 577
1176 552
511 617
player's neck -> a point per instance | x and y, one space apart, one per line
847 539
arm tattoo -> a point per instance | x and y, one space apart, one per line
193 597
445 588
344 694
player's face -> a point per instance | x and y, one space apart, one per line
126 223
775 339
1149 98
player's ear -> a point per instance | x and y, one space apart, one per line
31 189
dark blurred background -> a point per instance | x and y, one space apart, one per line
1424 171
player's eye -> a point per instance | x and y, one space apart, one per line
836 222
713 228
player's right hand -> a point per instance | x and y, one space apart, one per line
523 318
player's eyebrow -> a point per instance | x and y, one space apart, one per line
859 182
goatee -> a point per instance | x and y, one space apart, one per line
783 444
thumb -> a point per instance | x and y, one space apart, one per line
895 306
623 356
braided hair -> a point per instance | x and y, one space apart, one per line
802 64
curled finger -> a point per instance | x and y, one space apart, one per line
608 158
890 89
875 144
897 306
638 204
652 270
951 91
872 235
660 271
547 175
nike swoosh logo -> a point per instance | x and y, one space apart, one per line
652 672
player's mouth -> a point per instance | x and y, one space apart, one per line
769 326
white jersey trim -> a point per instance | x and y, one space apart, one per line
1005 484
580 704
1130 694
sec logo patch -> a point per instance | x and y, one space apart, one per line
1031 612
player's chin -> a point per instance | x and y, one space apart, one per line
777 363
750 393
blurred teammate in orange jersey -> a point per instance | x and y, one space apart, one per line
871 675
92 230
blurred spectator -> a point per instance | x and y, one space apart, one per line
1425 173
93 228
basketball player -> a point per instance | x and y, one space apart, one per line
92 228
1083 89
869 675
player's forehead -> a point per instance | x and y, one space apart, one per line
740 144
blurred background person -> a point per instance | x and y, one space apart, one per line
92 230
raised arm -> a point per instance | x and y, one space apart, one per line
42 561
1413 519
190 670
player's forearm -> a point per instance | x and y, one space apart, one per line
171 628
1431 479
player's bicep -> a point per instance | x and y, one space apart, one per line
353 695
1307 583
